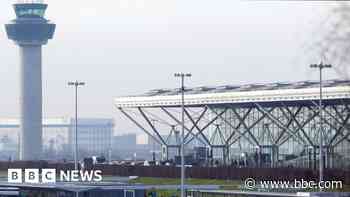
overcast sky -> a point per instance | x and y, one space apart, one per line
125 47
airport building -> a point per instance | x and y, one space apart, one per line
126 141
94 137
266 125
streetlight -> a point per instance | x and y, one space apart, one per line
153 143
183 75
321 66
76 84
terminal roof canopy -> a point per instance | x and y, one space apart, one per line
242 95
249 87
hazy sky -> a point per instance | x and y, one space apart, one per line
125 47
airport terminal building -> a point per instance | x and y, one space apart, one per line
266 125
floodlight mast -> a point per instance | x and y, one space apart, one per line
321 66
183 75
76 84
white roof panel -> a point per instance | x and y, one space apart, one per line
271 92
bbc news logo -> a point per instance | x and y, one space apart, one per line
50 176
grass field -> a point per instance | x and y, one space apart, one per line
231 185
169 181
224 184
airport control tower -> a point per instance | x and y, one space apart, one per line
30 30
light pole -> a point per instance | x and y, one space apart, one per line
321 66
153 143
76 84
183 75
